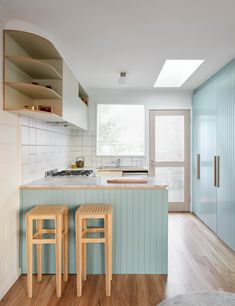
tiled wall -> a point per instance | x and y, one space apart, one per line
43 147
86 146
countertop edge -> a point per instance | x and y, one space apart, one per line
116 187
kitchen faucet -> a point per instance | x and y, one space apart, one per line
116 162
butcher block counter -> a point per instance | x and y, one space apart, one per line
140 221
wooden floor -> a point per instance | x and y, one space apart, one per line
197 261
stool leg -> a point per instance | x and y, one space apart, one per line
58 254
107 256
111 246
66 246
29 236
39 251
79 254
84 249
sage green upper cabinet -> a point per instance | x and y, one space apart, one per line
66 92
75 110
38 83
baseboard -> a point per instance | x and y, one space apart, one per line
8 283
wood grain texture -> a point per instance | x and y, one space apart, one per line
197 260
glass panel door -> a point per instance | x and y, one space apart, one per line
169 155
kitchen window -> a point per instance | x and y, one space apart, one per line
120 130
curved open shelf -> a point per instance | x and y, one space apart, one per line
34 91
37 69
36 46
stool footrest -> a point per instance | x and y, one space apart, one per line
43 241
45 231
93 230
93 240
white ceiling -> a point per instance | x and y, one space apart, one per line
102 38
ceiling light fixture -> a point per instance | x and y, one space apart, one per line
122 79
175 72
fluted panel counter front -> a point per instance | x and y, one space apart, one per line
140 228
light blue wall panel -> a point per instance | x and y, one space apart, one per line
140 229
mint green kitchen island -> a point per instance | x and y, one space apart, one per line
140 222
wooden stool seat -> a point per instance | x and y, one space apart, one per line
83 213
49 212
95 209
58 213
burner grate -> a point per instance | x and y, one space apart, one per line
73 173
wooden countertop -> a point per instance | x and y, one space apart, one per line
90 183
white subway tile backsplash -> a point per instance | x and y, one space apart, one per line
24 155
32 136
45 146
86 140
25 135
38 137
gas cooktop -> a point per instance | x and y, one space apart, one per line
72 173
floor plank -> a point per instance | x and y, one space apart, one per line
197 260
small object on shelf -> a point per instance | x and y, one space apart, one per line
42 108
34 107
45 108
84 100
48 86
35 83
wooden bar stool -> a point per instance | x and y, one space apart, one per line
93 211
59 214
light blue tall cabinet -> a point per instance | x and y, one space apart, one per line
204 145
214 135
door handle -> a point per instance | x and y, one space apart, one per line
215 171
198 166
218 171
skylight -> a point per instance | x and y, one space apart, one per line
175 72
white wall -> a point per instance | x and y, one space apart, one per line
86 141
43 147
9 193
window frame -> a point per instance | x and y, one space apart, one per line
122 155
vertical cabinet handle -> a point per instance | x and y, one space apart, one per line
215 171
198 167
218 171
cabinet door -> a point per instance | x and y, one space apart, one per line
226 152
205 145
66 92
196 154
83 114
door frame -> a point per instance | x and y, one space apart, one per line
173 206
